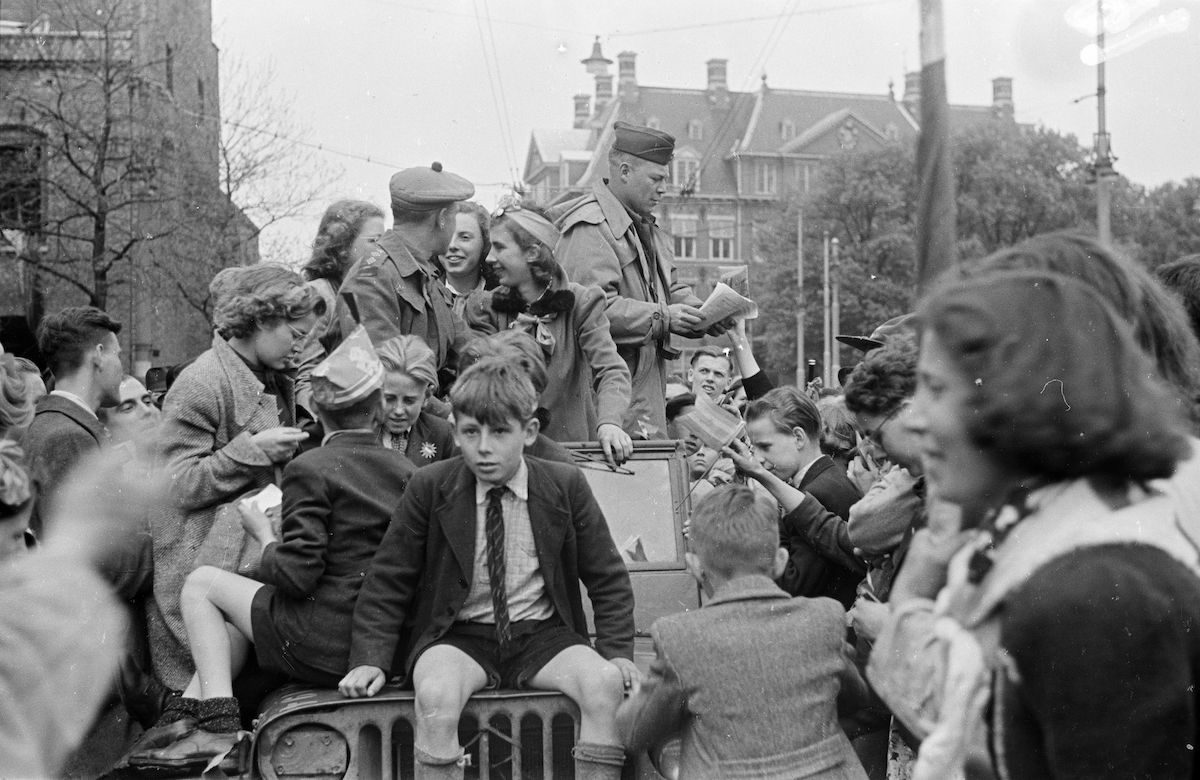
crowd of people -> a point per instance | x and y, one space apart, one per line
977 557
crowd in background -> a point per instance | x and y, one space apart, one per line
976 557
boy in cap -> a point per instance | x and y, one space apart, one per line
769 707
397 286
610 240
337 500
483 560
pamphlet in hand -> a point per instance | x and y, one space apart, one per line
724 302
714 426
267 498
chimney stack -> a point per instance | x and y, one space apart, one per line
1002 97
912 90
604 91
583 109
718 89
627 86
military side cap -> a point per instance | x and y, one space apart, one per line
880 336
350 373
428 189
644 142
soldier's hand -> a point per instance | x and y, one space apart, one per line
685 319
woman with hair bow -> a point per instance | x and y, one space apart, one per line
589 385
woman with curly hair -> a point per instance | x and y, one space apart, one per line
588 385
1060 641
464 262
347 232
17 398
228 424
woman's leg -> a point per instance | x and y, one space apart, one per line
216 611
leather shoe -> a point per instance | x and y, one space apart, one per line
194 749
158 736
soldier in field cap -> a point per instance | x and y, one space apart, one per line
610 240
396 288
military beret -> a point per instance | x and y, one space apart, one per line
350 373
428 189
644 142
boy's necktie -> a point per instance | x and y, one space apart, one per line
494 529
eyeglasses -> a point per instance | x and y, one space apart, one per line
876 434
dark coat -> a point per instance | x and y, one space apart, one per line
429 440
821 560
752 682
337 500
61 435
424 567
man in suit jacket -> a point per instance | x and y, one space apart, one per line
769 708
81 349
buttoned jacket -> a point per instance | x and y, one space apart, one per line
61 434
422 573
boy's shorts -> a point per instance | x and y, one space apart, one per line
534 644
276 652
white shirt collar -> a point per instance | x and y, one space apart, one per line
74 399
803 471
519 485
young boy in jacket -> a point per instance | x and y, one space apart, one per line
752 680
484 559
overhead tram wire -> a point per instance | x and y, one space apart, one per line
507 115
493 80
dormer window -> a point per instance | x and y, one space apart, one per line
695 130
787 130
685 172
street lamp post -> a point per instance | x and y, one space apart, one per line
1104 159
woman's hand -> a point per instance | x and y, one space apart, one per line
279 444
867 618
615 442
743 458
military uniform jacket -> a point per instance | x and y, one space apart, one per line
600 247
397 296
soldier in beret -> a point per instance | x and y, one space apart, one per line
396 287
610 240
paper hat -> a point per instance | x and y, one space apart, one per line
350 373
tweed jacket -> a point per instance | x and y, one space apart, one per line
600 247
423 570
61 434
337 500
398 295
769 708
587 381
209 416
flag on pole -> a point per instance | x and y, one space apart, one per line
936 229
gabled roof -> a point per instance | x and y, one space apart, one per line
827 125
807 110
551 146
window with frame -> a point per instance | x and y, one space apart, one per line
683 232
695 130
787 130
20 181
682 171
720 238
765 178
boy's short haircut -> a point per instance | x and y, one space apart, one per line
363 413
735 530
510 344
494 391
713 352
66 336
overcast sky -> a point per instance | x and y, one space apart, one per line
407 82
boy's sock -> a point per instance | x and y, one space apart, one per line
431 767
594 761
178 707
220 715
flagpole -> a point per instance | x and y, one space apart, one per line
936 229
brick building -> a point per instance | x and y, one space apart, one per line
737 154
109 170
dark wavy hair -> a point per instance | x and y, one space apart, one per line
249 296
838 430
1060 387
484 220
883 380
787 408
66 336
339 228
1182 277
1159 322
544 268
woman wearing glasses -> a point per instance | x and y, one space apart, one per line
588 384
228 422
1062 639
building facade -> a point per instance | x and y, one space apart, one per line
738 155
109 170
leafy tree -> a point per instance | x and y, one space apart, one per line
1166 222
